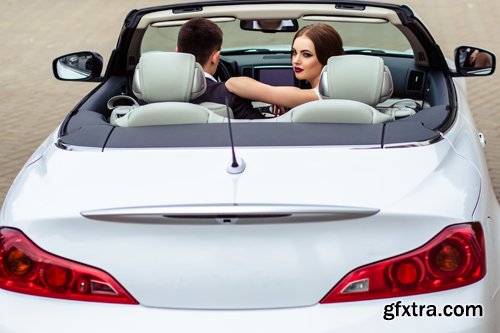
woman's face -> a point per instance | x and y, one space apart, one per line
304 61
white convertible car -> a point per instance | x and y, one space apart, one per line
370 210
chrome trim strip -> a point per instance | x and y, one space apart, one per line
357 147
409 144
229 214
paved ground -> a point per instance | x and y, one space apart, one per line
33 32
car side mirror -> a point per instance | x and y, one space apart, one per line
270 25
473 61
79 66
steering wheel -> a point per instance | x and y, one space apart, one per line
223 72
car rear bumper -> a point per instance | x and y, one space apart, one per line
23 313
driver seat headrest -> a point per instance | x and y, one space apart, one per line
168 77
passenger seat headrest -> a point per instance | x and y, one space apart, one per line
168 77
360 78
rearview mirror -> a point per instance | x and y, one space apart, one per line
473 61
80 66
270 25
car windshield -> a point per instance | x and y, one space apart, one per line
375 36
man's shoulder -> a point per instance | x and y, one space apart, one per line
215 84
216 90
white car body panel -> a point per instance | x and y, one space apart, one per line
380 177
373 178
359 317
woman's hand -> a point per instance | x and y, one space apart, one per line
278 110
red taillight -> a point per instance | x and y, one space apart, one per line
27 269
452 259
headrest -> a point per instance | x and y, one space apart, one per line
168 77
360 78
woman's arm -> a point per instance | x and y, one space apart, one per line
256 91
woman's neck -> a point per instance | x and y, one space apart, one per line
314 83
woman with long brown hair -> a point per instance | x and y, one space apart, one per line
311 47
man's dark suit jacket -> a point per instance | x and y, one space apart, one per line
216 92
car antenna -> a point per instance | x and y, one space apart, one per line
237 165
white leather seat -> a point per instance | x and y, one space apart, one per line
356 77
167 81
220 109
334 111
351 85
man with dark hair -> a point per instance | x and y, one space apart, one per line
203 39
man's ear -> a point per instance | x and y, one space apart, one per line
176 49
214 58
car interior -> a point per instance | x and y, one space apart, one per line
384 91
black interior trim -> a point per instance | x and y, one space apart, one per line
246 135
